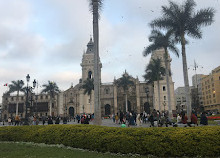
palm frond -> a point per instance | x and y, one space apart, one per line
203 17
194 32
162 23
88 86
174 49
50 88
15 86
154 71
188 8
124 82
96 6
150 49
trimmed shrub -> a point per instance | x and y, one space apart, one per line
175 142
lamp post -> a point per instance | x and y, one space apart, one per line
28 89
147 93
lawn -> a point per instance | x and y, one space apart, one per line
31 150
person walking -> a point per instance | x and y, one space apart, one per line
78 118
151 119
34 120
194 119
178 119
17 119
138 120
203 119
9 121
184 118
121 117
44 119
57 120
50 121
113 118
116 118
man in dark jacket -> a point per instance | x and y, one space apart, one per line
203 119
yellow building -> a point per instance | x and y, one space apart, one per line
211 90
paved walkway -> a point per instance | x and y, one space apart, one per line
105 122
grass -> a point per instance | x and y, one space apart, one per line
32 150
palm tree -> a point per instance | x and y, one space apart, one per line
155 72
88 86
52 89
124 82
166 42
183 20
16 86
95 6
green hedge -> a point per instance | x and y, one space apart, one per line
193 141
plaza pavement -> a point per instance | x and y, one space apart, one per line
105 122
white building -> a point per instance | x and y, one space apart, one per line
181 98
163 86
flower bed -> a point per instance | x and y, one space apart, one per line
213 117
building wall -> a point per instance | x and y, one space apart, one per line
40 105
211 90
180 98
162 83
197 83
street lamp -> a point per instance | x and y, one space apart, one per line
147 93
28 89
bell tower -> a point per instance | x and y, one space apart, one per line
88 62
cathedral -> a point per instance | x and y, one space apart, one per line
141 96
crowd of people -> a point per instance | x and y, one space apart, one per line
158 119
155 119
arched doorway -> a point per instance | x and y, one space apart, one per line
129 106
147 107
107 109
71 112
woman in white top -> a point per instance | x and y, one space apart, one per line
179 119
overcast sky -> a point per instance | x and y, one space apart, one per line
46 39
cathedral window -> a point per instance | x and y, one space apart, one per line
164 88
90 74
164 98
106 91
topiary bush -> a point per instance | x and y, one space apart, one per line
175 142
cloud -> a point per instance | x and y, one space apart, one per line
46 39
16 41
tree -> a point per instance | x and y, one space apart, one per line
183 20
95 6
88 86
125 81
16 86
52 89
155 72
166 42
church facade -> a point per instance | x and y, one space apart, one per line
141 96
